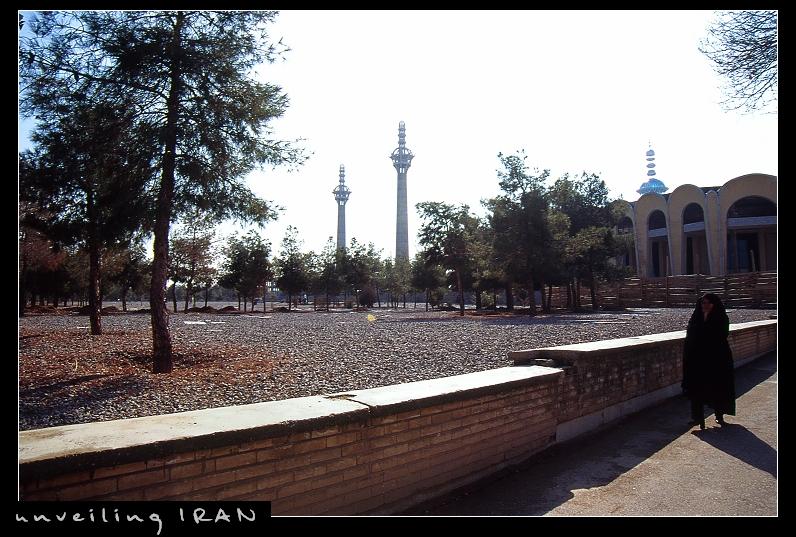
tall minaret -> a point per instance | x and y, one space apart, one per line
341 193
401 159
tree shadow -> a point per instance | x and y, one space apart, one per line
41 406
46 389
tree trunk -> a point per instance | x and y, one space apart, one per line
124 298
570 303
94 260
542 297
187 296
428 297
531 297
592 287
22 285
161 338
478 299
174 295
207 290
289 301
461 292
509 297
549 297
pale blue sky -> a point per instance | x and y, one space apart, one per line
578 90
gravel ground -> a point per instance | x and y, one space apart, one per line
68 376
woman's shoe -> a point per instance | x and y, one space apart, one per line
720 421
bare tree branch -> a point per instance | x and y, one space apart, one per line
743 48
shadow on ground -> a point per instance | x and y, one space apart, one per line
548 479
741 443
37 405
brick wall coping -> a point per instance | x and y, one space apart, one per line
570 354
108 443
414 395
83 446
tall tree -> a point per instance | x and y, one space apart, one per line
583 198
447 236
293 266
39 258
518 218
359 264
188 75
326 278
397 276
589 240
743 48
429 278
247 267
133 268
191 259
89 173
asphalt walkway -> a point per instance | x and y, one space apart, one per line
649 464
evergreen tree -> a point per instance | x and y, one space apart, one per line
187 75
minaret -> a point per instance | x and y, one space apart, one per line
341 193
652 184
401 159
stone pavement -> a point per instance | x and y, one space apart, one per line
648 464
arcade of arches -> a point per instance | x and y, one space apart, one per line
704 230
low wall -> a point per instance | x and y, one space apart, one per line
605 380
371 451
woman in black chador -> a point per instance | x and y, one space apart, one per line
708 371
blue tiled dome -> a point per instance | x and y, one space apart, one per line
653 185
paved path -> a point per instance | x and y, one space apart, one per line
650 463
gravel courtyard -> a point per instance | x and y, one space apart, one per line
67 376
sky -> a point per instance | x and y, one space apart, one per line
577 90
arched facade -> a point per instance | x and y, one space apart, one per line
702 235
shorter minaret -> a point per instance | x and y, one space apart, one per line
652 184
341 193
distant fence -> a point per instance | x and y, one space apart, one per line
742 290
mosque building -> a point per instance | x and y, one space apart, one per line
715 230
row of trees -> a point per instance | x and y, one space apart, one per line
534 235
243 264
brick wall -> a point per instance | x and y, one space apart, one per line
600 374
391 448
367 451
